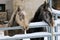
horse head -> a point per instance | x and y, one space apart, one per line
21 18
44 14
47 15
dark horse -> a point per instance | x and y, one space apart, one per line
42 14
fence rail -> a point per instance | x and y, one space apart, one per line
32 25
23 36
32 35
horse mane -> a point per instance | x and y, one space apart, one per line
42 13
36 17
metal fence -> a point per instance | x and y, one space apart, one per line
37 34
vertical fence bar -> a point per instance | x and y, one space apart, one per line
25 32
56 16
49 30
56 30
50 3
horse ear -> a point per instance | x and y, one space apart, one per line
18 9
46 4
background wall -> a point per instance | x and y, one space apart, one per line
30 6
9 6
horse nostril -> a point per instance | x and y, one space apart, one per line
25 28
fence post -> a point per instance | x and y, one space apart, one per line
26 33
49 30
56 30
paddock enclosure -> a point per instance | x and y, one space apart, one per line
30 7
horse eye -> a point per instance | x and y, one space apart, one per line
21 17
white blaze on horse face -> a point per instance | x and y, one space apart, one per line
24 22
